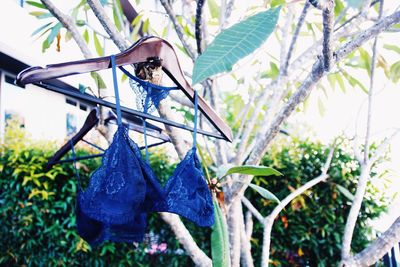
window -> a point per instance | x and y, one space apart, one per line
71 102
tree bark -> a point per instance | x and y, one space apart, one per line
377 249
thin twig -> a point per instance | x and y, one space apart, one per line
178 29
269 220
198 23
295 36
108 26
252 209
371 90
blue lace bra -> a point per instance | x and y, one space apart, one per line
124 188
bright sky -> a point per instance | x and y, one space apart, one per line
344 112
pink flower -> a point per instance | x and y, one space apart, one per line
213 181
162 247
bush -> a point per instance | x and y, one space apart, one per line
38 223
37 214
309 231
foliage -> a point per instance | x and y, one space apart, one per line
309 231
38 222
37 214
235 43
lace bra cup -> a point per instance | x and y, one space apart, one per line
95 232
111 206
117 188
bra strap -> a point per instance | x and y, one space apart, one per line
146 103
195 118
74 163
117 102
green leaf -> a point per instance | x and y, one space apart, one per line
37 13
116 18
235 43
36 4
354 3
82 88
97 45
394 48
80 22
100 84
41 28
146 25
264 193
214 9
353 81
366 59
321 107
86 36
52 35
275 3
395 72
345 192
219 239
253 170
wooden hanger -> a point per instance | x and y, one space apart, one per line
141 51
91 120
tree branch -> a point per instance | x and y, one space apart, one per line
327 18
199 19
69 24
185 238
304 90
295 36
252 209
371 90
178 29
377 249
108 26
269 220
245 250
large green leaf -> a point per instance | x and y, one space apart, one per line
253 170
264 192
219 239
235 43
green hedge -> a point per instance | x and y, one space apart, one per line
38 223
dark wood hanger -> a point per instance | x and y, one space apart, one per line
91 121
141 51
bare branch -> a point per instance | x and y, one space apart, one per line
295 36
199 20
245 250
327 17
185 238
69 24
371 91
108 26
269 220
377 249
249 224
252 209
178 29
304 90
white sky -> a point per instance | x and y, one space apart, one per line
343 111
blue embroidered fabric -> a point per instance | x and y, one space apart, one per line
186 192
124 188
110 207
